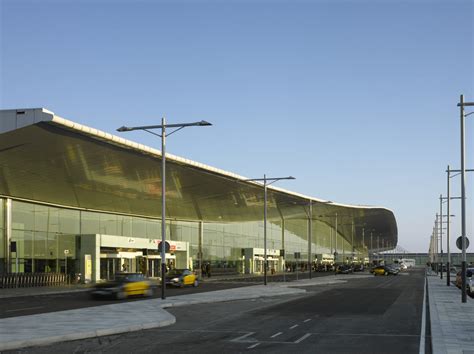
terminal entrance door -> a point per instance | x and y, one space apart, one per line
273 265
154 264
115 262
258 265
108 268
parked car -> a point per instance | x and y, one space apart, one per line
358 268
343 269
385 270
181 277
395 267
469 281
123 286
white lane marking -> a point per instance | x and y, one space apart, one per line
309 319
276 334
242 337
292 327
253 346
25 308
303 338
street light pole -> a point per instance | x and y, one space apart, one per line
371 249
163 207
335 242
363 245
441 231
163 127
265 231
461 106
265 180
310 237
448 265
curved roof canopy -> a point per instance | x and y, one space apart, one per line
46 158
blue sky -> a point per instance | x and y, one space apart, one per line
356 99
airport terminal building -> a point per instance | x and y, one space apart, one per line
78 200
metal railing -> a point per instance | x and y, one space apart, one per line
26 280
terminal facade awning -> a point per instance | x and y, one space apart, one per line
48 159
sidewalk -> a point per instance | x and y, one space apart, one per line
452 322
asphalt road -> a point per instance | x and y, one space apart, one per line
365 315
30 305
34 304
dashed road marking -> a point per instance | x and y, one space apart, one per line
303 338
292 327
242 337
276 334
253 346
307 320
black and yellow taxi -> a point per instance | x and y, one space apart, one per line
122 286
181 277
385 270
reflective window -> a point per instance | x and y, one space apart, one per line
90 223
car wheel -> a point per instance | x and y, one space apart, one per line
121 295
196 283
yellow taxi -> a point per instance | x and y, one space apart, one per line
123 286
181 277
384 270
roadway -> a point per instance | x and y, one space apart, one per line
35 304
364 315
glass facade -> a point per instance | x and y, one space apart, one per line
2 237
45 238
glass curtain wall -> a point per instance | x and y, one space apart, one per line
45 237
2 237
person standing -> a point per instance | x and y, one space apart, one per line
208 269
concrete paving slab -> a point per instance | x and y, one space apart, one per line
452 322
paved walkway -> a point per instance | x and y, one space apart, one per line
452 322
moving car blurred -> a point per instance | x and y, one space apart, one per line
181 277
358 268
123 286
469 281
385 270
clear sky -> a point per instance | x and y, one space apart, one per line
356 99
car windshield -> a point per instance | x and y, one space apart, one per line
175 272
